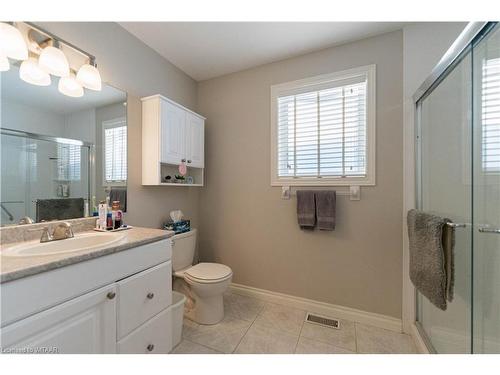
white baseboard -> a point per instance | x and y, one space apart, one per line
323 308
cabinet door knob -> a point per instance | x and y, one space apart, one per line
150 295
150 347
111 295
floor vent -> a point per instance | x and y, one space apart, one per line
322 321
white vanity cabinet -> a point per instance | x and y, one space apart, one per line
119 303
83 325
171 135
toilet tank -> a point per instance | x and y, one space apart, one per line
183 246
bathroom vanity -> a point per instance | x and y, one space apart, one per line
111 297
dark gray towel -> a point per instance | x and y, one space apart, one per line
325 209
431 256
58 209
306 209
119 194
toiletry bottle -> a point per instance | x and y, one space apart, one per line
95 210
117 215
86 209
103 211
109 221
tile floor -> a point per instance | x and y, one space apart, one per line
252 326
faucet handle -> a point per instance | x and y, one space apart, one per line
62 230
46 236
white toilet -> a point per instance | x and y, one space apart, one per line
203 284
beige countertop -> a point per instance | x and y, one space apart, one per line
15 267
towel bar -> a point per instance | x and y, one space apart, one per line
456 225
489 230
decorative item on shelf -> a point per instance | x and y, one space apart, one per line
183 167
190 180
168 178
180 179
43 54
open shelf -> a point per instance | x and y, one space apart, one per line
176 184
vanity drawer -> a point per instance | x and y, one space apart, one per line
142 296
154 336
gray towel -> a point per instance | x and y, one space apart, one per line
431 256
325 209
306 209
119 194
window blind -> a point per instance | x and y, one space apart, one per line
115 154
322 133
69 162
490 150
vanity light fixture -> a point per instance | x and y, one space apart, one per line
54 61
88 76
4 63
69 86
12 43
31 72
43 55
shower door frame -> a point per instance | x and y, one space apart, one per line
472 33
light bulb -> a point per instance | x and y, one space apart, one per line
69 86
4 63
89 77
12 43
30 72
53 61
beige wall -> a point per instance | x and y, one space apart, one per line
246 225
128 64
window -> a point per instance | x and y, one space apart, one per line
69 162
115 152
323 130
490 99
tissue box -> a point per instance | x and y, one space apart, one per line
178 227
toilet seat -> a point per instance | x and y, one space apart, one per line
206 273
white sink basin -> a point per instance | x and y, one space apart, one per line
81 241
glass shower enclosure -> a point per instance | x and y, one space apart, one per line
458 177
38 167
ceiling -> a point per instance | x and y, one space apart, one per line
205 50
49 97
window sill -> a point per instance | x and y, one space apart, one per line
362 181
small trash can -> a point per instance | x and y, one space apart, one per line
177 307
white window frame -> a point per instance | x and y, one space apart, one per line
318 83
115 123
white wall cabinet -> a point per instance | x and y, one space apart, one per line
171 135
173 146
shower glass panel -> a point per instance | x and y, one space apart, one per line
486 213
458 177
35 168
445 189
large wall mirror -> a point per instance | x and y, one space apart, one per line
60 155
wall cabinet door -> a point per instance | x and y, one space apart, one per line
86 324
195 141
173 133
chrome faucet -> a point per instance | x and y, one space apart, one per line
61 231
26 220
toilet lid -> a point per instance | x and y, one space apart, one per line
209 271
